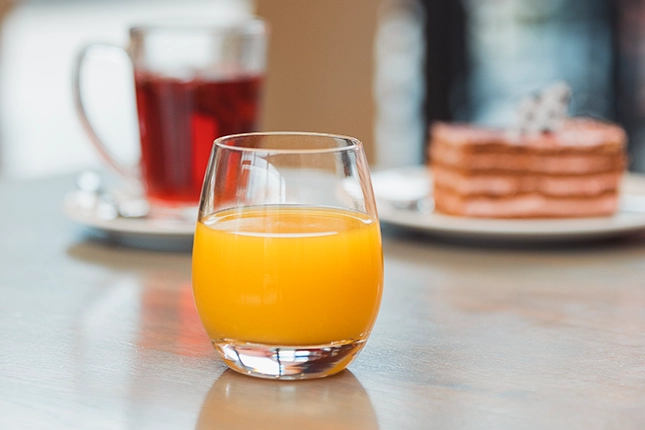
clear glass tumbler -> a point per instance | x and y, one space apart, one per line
287 259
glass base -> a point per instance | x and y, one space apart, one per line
288 362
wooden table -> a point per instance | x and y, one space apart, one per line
96 335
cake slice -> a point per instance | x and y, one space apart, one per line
572 172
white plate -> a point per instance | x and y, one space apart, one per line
141 232
404 199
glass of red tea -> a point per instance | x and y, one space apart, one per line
193 84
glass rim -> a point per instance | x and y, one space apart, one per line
353 143
252 26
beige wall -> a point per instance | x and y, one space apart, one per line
321 67
5 6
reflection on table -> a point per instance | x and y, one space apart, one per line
339 402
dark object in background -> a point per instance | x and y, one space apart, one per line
628 21
446 58
483 56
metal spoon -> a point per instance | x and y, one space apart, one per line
108 204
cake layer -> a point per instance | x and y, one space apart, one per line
569 163
529 205
576 136
498 184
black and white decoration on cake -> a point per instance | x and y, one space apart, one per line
545 111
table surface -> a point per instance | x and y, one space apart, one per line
470 335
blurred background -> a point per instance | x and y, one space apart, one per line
380 70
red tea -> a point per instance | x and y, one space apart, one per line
178 121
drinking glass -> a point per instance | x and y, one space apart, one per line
193 82
287 258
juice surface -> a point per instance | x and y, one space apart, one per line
288 276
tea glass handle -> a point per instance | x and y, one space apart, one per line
128 173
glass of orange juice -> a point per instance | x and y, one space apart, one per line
287 258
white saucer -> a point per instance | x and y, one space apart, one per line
143 232
404 199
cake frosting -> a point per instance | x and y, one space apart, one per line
574 171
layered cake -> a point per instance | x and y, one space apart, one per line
574 171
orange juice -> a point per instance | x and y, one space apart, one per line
281 275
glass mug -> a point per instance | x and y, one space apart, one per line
193 83
287 257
